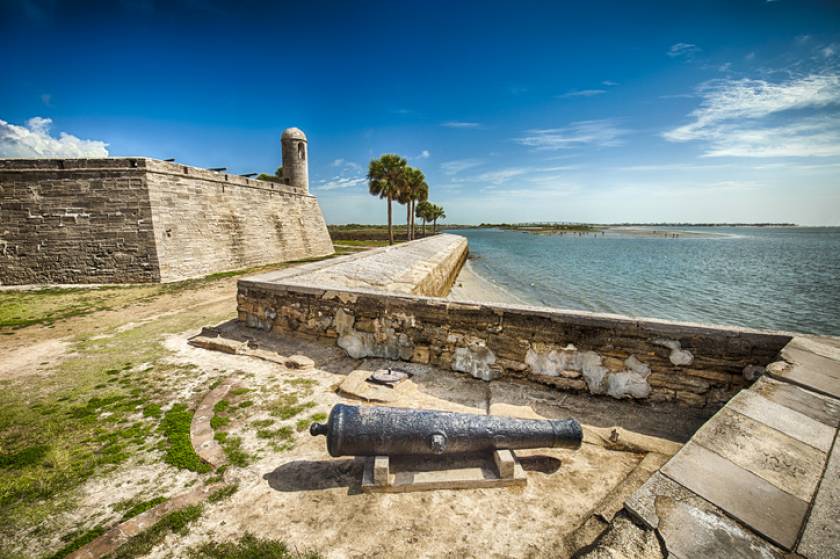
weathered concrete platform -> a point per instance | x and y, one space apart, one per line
762 477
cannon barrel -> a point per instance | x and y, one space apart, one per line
381 431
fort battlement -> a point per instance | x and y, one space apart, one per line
136 219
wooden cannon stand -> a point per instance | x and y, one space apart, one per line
404 474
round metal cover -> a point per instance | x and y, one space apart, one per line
388 376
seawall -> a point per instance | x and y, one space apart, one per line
618 356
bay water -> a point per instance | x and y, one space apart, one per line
776 278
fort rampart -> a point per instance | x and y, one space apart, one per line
132 220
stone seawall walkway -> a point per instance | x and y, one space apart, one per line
762 477
426 266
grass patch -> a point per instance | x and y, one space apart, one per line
174 522
284 433
218 421
28 456
221 406
239 391
76 541
133 508
179 451
152 410
286 406
304 423
222 493
249 547
232 446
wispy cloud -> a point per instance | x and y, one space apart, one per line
756 118
345 164
338 183
425 154
459 165
683 50
583 93
502 175
600 133
46 99
460 124
34 140
609 83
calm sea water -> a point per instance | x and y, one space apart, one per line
771 278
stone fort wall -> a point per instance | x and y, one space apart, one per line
127 220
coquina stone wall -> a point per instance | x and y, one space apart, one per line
611 355
128 220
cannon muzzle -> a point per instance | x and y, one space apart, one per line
380 431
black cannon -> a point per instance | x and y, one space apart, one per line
379 431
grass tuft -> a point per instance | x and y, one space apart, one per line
250 547
77 541
179 451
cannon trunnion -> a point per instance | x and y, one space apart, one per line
382 431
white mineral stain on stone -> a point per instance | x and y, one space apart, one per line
475 360
553 362
679 356
594 372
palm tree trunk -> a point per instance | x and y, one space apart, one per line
412 220
424 226
434 227
408 220
390 227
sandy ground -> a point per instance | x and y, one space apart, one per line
298 493
470 286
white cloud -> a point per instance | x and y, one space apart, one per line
583 93
34 140
425 154
601 133
756 118
829 50
502 175
460 124
609 83
683 50
338 183
459 165
749 56
343 163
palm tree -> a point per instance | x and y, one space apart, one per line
386 178
437 213
424 212
415 189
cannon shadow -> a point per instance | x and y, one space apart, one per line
315 475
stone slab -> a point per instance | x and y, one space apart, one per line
826 346
816 406
505 463
691 526
411 474
614 501
812 371
752 500
788 421
821 537
790 465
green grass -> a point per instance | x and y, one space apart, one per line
223 493
133 508
284 433
286 406
176 522
232 446
179 451
304 423
249 547
76 541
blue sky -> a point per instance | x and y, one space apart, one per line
525 111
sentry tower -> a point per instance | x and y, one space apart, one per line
295 166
